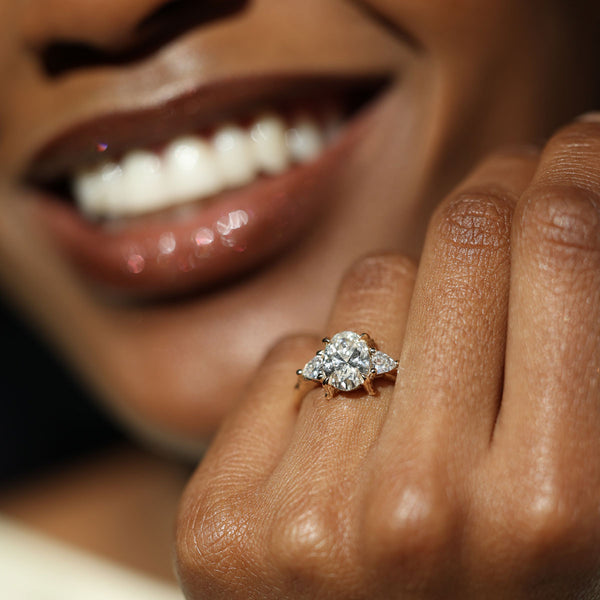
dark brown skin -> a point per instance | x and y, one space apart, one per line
469 80
474 476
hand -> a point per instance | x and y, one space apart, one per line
477 475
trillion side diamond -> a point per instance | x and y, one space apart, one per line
314 368
382 362
346 361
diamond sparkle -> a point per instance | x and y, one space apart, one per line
382 363
348 362
314 368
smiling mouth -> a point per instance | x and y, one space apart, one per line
195 167
206 187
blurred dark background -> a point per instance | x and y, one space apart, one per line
46 416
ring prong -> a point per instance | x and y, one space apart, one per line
368 339
368 385
330 391
321 370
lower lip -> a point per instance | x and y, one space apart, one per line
203 245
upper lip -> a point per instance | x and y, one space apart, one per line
197 110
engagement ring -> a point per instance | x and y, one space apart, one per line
348 361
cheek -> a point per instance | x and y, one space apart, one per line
438 25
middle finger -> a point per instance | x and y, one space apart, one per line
451 368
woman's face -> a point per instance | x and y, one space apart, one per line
183 183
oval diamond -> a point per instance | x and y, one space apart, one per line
346 361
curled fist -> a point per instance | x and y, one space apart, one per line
475 475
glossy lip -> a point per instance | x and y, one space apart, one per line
195 111
201 244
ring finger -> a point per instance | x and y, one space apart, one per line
315 482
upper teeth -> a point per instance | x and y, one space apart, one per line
193 167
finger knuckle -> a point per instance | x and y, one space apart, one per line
379 272
210 545
475 222
303 544
543 522
550 524
561 224
413 529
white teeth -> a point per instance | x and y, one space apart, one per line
89 191
235 156
305 140
193 168
98 190
271 151
142 183
111 186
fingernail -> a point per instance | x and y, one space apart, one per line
590 117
